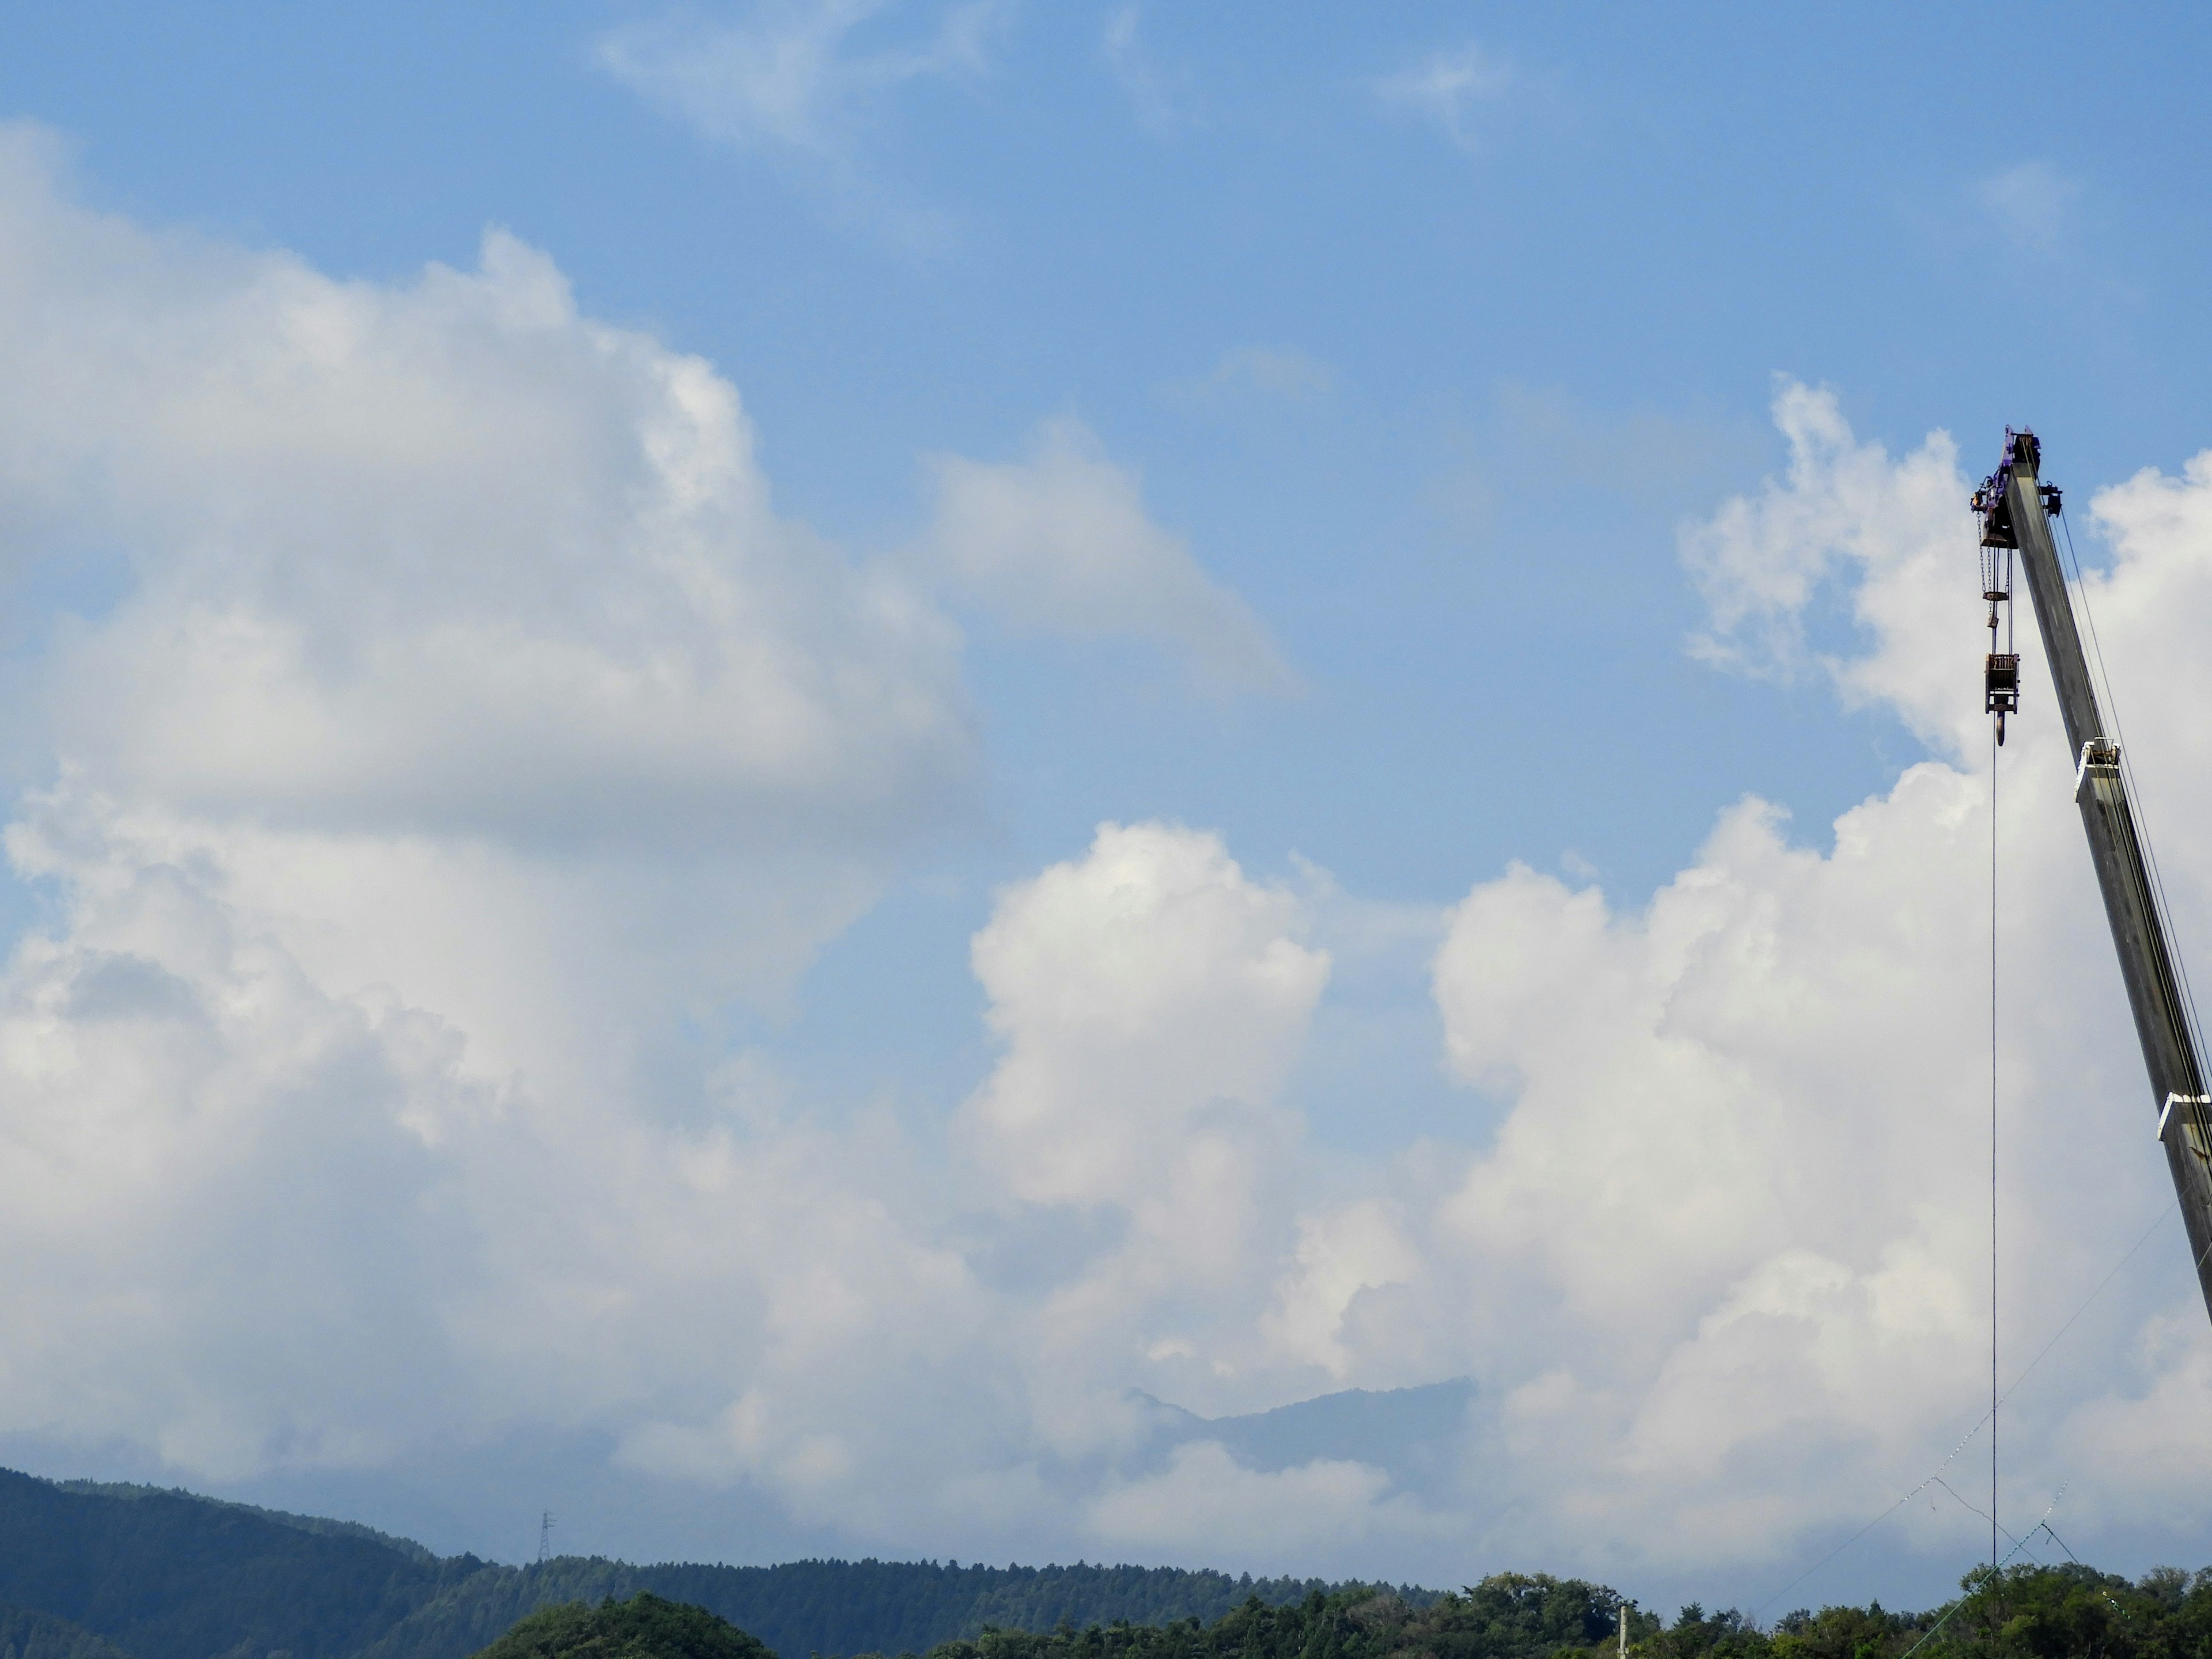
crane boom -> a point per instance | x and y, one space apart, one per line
2015 507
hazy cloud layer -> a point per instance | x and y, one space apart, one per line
1061 543
2033 205
1158 97
791 73
1450 89
1284 373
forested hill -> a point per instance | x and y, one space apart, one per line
25 1635
167 1574
805 1608
642 1628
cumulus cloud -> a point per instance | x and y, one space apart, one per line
1735 1188
221 1171
1341 1253
460 635
281 1226
1060 544
443 558
1843 510
468 713
1153 999
1157 932
467 717
1756 1102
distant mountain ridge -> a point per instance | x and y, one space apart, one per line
91 1571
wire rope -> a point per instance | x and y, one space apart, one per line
1991 1418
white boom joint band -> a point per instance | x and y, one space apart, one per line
2166 1111
2098 751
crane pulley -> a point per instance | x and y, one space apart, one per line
2016 507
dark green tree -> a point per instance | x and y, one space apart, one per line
643 1627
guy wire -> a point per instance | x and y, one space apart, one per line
1995 1568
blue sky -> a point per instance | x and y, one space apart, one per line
1421 350
1627 228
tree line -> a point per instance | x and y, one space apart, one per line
138 1573
2068 1611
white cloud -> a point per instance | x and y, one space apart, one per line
1448 88
805 79
1277 1520
1153 999
1899 532
1061 543
280 1226
1339 1254
444 559
470 713
788 75
468 716
460 636
1726 1264
1753 1102
1141 992
222 1174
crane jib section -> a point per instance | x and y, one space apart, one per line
2015 507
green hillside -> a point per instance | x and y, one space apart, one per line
27 1635
89 1573
167 1574
803 1607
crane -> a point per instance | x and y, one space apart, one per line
2016 507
